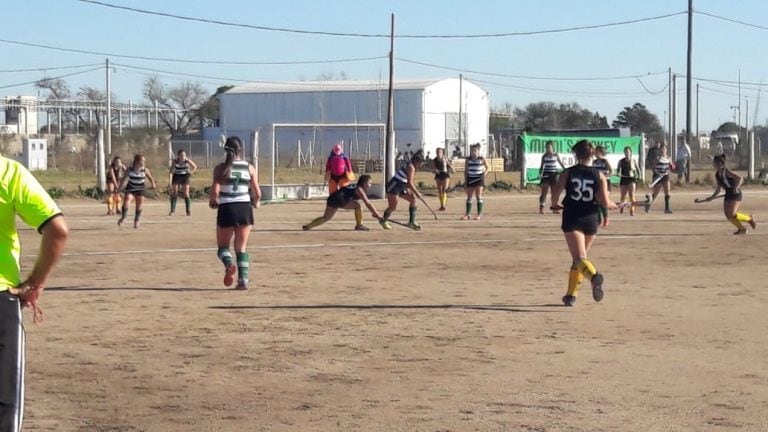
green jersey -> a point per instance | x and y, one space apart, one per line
22 194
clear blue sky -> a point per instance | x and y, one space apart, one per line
721 48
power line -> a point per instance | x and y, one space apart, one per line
528 77
51 78
172 60
377 35
45 69
559 92
731 20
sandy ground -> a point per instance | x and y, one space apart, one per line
455 328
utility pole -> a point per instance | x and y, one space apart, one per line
670 133
389 155
688 86
673 142
698 133
108 122
461 142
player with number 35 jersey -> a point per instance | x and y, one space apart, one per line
586 189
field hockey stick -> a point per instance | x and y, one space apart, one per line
403 224
658 179
430 208
699 200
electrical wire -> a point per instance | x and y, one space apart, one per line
172 60
51 78
560 92
45 69
731 20
525 76
377 35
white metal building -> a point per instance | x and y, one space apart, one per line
426 111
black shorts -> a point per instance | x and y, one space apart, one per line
396 187
337 200
135 192
475 182
662 181
180 179
11 362
442 176
586 223
624 181
550 179
234 215
732 196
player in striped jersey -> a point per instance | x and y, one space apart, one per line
475 169
731 183
585 189
349 197
401 185
601 164
662 168
178 178
234 193
134 184
548 172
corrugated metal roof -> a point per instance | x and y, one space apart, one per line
325 86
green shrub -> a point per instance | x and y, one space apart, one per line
92 192
55 192
502 185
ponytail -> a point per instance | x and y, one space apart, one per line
233 146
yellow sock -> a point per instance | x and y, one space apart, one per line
742 217
445 198
316 222
586 268
359 216
110 202
736 222
574 279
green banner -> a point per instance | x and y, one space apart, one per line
534 147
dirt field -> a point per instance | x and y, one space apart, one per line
455 328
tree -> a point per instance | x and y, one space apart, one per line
183 104
640 120
57 88
209 112
501 118
540 116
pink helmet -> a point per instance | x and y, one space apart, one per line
337 149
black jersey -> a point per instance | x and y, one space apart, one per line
727 181
625 168
602 165
581 190
343 196
441 165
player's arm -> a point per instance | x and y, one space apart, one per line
193 165
213 197
739 179
364 197
560 161
485 166
255 188
123 181
151 179
603 195
541 166
449 165
608 167
55 234
410 172
714 194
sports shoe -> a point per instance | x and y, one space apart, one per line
648 202
605 222
242 285
414 226
668 210
189 213
597 287
229 275
361 227
741 231
171 214
541 210
569 300
442 208
465 217
120 221
752 222
384 224
477 217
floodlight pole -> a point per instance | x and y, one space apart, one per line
108 122
389 154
